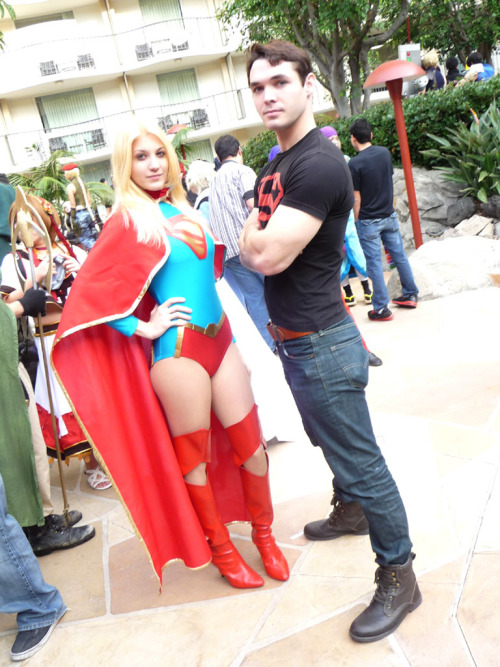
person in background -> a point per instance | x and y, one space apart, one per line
376 220
476 69
452 71
231 200
435 78
81 213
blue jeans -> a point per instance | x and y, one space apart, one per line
249 288
88 232
23 589
327 373
370 233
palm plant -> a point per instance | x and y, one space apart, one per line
473 155
48 181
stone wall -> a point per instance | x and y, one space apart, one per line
460 250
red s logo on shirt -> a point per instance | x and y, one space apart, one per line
270 193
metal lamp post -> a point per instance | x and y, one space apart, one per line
392 74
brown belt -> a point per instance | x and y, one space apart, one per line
280 334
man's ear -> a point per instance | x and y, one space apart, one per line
309 82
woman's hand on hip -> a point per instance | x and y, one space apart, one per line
171 313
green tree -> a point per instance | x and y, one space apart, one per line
337 35
4 7
455 27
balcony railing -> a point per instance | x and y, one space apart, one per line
74 57
93 139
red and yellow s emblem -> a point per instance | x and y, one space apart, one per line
270 193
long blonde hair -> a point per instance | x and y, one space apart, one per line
136 206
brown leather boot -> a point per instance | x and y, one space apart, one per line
396 596
224 554
345 519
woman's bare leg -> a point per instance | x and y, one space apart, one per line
232 400
184 390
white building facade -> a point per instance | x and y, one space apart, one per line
70 77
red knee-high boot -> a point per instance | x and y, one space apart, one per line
259 503
225 556
245 439
192 449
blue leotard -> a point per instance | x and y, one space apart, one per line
184 274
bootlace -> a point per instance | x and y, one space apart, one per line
338 508
387 583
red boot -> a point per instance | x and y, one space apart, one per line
224 554
259 504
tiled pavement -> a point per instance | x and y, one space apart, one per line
436 409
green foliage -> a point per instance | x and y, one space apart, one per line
10 10
48 181
435 113
457 27
473 155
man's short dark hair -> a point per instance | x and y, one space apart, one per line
451 62
278 51
361 130
474 58
226 146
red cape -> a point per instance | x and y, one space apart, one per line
109 389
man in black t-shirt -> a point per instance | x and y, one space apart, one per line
376 220
294 236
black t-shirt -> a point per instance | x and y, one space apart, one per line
371 171
313 177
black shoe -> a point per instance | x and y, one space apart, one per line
396 596
410 301
382 315
373 360
49 538
28 642
345 519
59 520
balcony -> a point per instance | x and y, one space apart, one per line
92 140
31 63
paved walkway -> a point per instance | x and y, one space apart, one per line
436 410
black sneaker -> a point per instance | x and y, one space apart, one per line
345 519
410 301
28 642
382 315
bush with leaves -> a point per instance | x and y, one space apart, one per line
435 113
473 155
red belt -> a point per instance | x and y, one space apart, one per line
280 333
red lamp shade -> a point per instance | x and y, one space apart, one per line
392 70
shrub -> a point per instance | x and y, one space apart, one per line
472 155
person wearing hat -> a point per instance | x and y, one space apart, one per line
81 208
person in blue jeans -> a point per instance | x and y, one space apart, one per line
376 220
294 236
23 590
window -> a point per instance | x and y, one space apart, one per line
178 87
160 10
77 106
93 173
201 150
34 20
